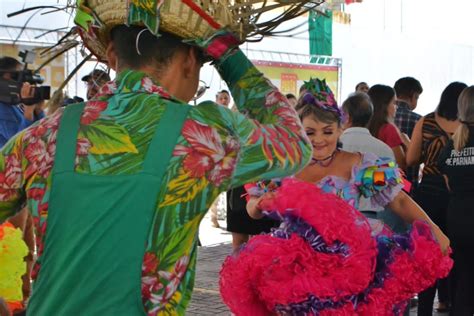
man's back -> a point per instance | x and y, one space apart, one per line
217 149
406 119
359 139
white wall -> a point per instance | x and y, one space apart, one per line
430 40
424 39
388 39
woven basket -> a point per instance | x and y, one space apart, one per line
191 19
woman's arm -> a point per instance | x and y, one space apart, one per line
400 157
413 156
409 211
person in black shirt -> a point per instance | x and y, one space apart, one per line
457 164
431 134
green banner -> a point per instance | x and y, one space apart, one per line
320 34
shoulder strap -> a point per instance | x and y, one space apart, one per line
66 140
165 138
159 151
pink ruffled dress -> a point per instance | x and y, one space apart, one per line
324 258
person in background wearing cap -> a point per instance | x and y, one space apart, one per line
119 185
96 79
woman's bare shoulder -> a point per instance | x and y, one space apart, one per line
351 159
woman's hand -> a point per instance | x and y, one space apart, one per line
443 240
405 139
409 211
256 205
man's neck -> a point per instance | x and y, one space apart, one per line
406 102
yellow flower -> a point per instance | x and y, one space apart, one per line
145 5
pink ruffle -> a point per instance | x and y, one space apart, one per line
270 272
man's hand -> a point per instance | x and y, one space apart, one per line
219 45
28 92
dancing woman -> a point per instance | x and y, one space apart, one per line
339 172
325 258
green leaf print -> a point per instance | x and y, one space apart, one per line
107 137
177 243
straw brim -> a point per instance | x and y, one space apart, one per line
175 17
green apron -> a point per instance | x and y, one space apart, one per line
97 227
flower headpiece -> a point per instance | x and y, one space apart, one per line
319 94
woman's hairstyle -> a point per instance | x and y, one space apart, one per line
317 113
318 101
466 116
448 104
380 95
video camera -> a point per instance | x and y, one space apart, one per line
10 90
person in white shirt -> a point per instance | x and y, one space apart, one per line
358 110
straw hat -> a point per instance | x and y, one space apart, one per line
189 19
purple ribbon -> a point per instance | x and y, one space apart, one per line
310 99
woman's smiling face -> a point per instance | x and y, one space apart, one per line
323 136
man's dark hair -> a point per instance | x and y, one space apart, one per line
448 104
290 95
359 108
407 86
154 50
8 63
223 91
359 84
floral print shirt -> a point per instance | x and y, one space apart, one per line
218 149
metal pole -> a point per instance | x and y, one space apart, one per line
401 16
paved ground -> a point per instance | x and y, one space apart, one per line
216 246
206 298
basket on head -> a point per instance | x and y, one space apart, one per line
188 19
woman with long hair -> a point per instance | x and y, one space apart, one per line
381 124
323 245
457 164
429 137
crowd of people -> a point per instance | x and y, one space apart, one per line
150 166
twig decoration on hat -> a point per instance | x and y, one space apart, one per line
192 20
249 20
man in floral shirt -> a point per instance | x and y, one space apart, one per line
87 246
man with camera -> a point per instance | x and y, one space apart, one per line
18 105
